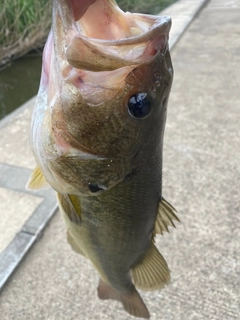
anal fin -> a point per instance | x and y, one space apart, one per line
70 205
132 302
166 215
152 272
37 180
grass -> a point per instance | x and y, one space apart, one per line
24 24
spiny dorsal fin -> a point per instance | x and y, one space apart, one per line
132 302
166 215
70 205
152 272
37 180
75 247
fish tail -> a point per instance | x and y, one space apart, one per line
132 302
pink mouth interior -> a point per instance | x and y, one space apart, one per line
100 19
79 7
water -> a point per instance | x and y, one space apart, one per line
19 82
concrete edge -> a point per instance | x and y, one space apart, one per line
15 252
14 178
11 116
182 13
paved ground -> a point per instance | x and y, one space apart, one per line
201 178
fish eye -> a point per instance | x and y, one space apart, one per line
94 187
139 105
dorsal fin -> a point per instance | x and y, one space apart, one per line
166 215
152 272
70 205
37 180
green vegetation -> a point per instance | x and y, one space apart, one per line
24 24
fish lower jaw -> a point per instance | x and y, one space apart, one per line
61 147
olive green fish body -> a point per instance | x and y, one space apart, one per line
116 227
97 136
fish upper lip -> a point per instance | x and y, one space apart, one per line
163 22
112 15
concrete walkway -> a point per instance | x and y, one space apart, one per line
201 178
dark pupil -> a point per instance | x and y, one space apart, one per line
139 105
93 187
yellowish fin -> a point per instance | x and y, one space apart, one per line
132 302
166 215
37 181
70 204
152 272
75 247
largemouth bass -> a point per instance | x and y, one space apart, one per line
97 136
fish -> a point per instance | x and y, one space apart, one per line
97 136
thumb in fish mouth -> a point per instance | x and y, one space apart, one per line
79 7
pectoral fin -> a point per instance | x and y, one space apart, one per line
37 180
132 302
152 272
70 205
166 215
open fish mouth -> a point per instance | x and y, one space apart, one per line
99 36
96 45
